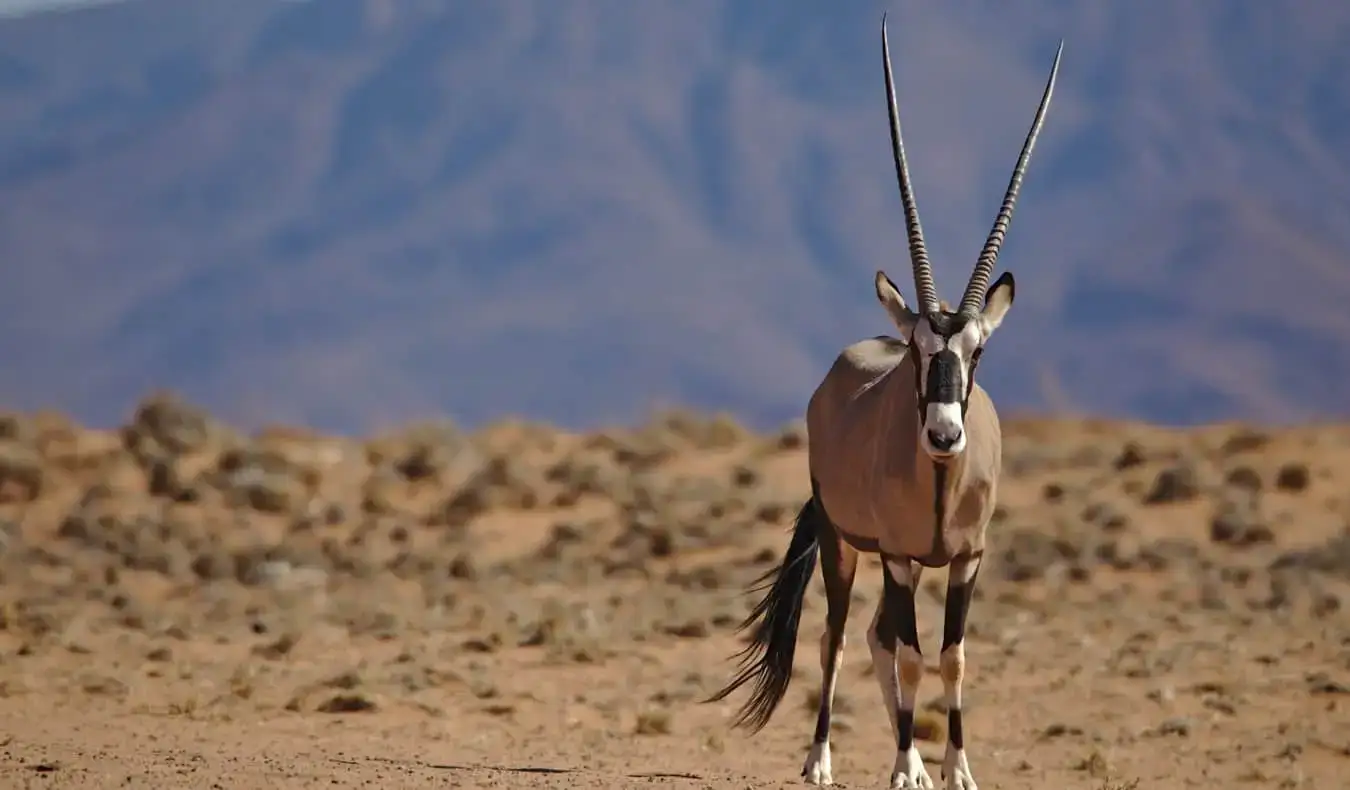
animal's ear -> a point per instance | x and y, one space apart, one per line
890 298
997 300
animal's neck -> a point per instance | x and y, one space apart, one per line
949 473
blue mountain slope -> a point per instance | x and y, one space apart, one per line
355 211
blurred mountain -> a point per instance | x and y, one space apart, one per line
348 212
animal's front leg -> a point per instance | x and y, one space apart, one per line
960 588
896 634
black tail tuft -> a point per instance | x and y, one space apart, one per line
767 659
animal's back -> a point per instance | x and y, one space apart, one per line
859 425
858 368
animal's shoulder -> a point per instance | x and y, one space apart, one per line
875 354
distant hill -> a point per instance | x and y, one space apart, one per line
349 212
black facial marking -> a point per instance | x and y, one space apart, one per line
944 366
947 325
944 377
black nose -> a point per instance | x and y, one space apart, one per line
941 442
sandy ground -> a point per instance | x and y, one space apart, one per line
184 606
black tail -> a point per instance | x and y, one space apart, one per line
767 659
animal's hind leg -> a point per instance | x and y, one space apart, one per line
895 634
838 564
960 588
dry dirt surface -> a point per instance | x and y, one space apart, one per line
184 605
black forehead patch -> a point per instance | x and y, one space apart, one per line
946 324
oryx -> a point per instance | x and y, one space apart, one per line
904 455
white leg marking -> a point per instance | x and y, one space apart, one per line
955 769
905 572
817 768
909 773
962 571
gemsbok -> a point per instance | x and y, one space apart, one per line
904 453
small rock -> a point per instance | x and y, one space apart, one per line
1132 454
346 681
653 722
1244 478
693 629
1326 603
163 422
791 436
1238 522
1161 695
346 703
462 567
277 649
1094 765
1293 477
1244 441
1059 730
1179 726
21 474
1323 683
1179 483
744 477
1106 515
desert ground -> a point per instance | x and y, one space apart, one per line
187 605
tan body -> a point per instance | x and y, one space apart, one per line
875 483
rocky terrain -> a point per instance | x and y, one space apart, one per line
184 604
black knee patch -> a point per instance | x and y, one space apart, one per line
904 730
897 624
822 725
956 735
957 609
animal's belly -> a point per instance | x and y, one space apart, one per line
876 520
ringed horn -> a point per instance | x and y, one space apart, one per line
973 298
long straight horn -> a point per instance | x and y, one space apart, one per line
979 279
918 251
